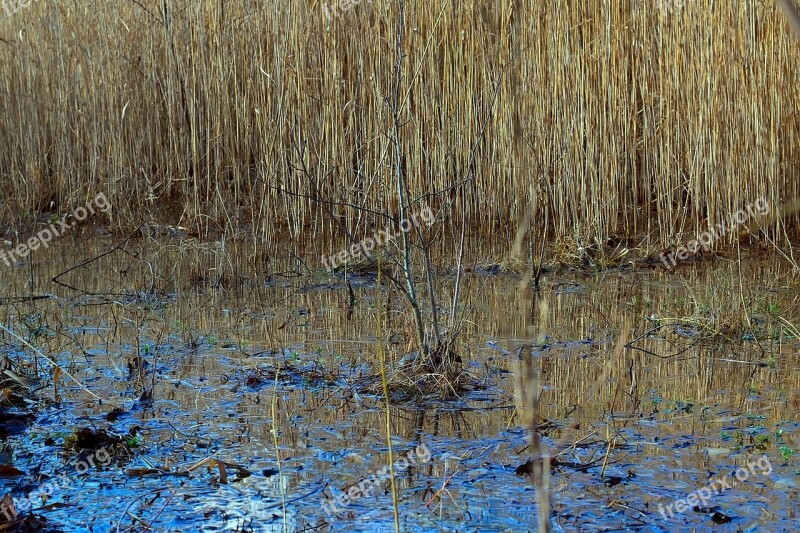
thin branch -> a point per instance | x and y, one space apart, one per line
91 260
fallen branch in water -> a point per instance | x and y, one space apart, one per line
55 364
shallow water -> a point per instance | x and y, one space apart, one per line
257 358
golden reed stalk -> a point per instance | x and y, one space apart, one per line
634 119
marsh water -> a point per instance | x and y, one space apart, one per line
266 367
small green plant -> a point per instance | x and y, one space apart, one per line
769 308
657 401
35 325
786 453
682 406
70 440
132 441
190 337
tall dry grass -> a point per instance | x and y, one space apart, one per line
219 114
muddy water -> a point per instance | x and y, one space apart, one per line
260 360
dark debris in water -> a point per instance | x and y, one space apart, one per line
717 516
92 439
265 375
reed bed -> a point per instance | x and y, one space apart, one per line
629 120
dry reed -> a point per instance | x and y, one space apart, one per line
214 115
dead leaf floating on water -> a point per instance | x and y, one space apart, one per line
22 380
209 462
7 503
10 471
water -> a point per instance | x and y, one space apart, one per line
266 366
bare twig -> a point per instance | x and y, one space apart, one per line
93 259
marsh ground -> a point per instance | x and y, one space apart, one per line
254 361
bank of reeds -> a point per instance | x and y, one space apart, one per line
635 121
